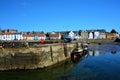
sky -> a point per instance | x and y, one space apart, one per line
60 15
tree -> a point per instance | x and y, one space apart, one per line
113 31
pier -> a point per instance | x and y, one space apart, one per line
35 57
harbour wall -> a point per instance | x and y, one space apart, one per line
39 56
35 57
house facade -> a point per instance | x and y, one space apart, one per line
111 35
69 35
28 37
55 36
18 36
96 34
91 35
33 36
11 36
102 34
77 35
84 35
40 36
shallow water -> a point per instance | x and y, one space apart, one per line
99 64
102 62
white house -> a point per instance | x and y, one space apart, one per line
70 35
11 36
2 37
96 35
17 36
6 36
77 37
102 33
90 35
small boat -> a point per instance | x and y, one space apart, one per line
76 53
78 50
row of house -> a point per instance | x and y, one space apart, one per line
87 34
98 34
15 35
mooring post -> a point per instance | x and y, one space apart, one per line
51 52
81 44
77 45
65 50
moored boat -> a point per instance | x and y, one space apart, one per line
76 52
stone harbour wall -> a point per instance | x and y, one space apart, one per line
34 57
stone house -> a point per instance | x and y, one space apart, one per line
84 35
111 35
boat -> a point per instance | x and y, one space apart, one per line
76 53
80 51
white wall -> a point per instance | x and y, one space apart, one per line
90 35
96 35
11 37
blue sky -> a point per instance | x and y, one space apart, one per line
59 15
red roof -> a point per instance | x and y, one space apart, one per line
41 35
32 35
54 35
8 33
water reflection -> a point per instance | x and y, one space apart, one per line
102 63
19 61
94 52
77 58
113 51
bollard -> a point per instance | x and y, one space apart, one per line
77 45
51 53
